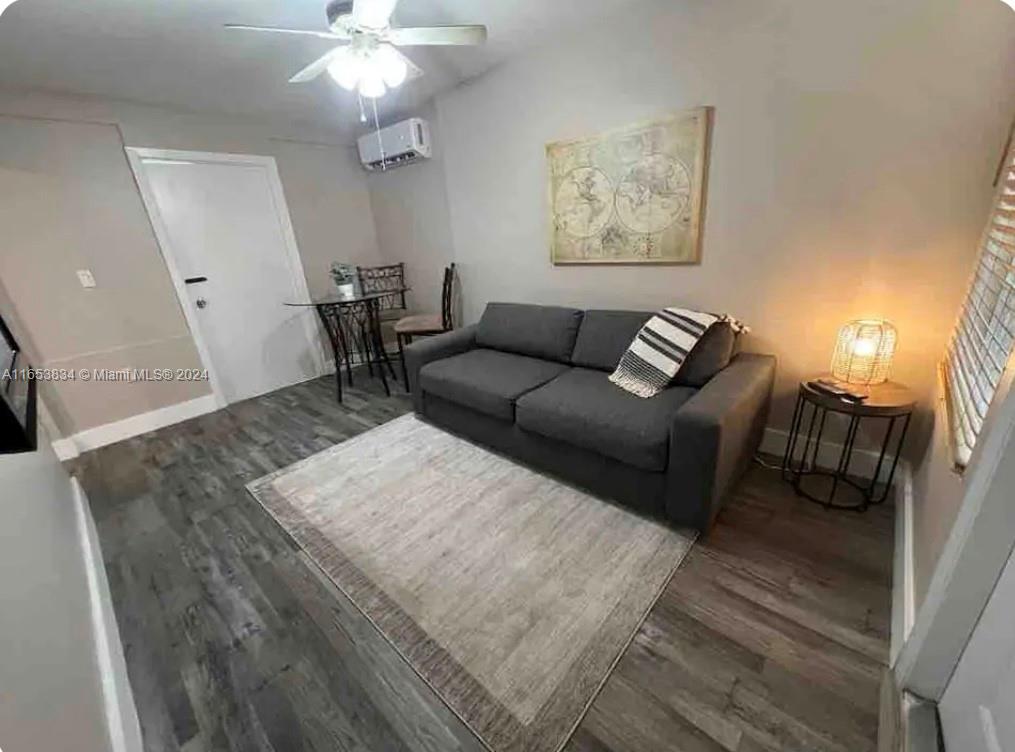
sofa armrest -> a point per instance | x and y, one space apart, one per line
714 436
429 349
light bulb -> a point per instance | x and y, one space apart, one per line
391 64
371 84
864 348
346 69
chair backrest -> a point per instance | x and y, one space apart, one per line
448 299
383 278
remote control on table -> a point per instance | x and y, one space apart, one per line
836 390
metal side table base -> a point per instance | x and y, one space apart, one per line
889 403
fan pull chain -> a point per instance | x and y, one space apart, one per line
380 141
362 112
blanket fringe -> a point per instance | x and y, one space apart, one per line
634 385
738 326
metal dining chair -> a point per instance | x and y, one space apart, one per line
382 278
427 324
375 279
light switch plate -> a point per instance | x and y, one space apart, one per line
86 279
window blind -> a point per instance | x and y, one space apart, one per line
985 333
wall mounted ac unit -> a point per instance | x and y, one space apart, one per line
402 143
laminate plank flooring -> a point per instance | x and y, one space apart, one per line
771 636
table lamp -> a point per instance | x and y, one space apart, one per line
863 352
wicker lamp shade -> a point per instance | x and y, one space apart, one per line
863 352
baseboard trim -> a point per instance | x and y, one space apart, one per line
889 714
919 727
863 463
118 699
903 585
65 449
110 433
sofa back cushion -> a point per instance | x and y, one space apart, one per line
713 353
547 332
605 336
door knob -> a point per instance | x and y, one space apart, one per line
201 303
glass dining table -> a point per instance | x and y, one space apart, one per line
353 324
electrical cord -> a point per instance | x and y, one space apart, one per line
765 463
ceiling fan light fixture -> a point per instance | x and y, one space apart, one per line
346 69
392 65
371 83
370 62
373 14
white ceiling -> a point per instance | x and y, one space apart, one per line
175 52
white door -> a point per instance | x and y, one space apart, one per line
225 230
978 706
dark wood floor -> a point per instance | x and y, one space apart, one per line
771 636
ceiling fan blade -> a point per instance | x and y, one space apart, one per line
5 4
316 68
420 35
373 14
297 32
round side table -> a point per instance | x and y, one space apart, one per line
888 402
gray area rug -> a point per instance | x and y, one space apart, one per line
510 593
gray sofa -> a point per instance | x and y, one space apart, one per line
532 382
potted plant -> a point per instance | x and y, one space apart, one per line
345 278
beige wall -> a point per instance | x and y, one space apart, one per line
410 209
853 150
937 493
68 201
326 191
52 682
852 155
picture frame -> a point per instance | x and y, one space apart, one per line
18 422
631 195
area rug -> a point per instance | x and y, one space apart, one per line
510 593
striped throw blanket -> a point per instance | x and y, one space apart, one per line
658 351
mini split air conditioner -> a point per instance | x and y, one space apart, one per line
398 144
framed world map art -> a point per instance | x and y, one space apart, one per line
633 195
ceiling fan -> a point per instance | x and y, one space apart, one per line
368 61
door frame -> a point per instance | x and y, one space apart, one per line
136 156
973 558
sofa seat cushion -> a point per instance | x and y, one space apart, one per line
582 407
487 380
